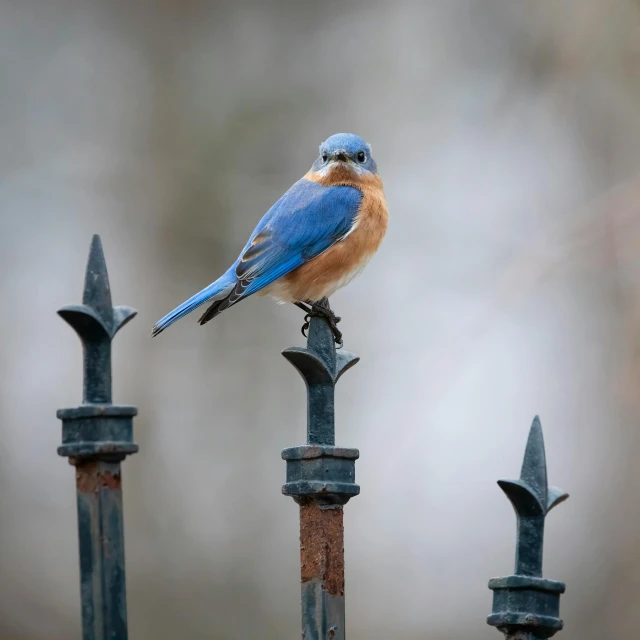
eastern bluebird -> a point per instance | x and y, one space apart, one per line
313 241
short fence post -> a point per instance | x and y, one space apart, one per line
96 436
321 479
525 605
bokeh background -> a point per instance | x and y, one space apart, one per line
508 137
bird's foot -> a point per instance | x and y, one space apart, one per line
305 326
322 310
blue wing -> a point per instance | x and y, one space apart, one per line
306 221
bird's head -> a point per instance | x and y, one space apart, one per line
345 152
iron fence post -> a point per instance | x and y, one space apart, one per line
526 606
96 437
321 479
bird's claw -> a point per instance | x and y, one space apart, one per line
321 311
305 326
337 334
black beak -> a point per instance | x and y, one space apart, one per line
341 156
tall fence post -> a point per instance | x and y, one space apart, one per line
321 479
96 437
525 605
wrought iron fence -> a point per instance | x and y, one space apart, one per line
320 477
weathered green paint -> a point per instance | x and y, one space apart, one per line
101 545
323 616
525 605
321 479
96 436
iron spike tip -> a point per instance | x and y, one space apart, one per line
97 293
531 495
534 464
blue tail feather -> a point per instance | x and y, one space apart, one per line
220 289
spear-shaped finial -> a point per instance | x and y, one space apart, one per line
321 479
526 606
96 437
96 322
321 366
532 499
97 293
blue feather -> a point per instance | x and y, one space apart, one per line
220 287
306 221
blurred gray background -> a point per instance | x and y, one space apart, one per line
508 137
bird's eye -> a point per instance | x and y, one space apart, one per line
362 156
325 157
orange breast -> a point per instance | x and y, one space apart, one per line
339 264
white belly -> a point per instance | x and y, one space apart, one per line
330 289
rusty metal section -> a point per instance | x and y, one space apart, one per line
322 546
321 479
96 437
91 476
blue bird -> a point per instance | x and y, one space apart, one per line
313 241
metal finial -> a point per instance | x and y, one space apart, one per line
532 499
321 366
96 322
321 479
525 605
97 293
96 437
